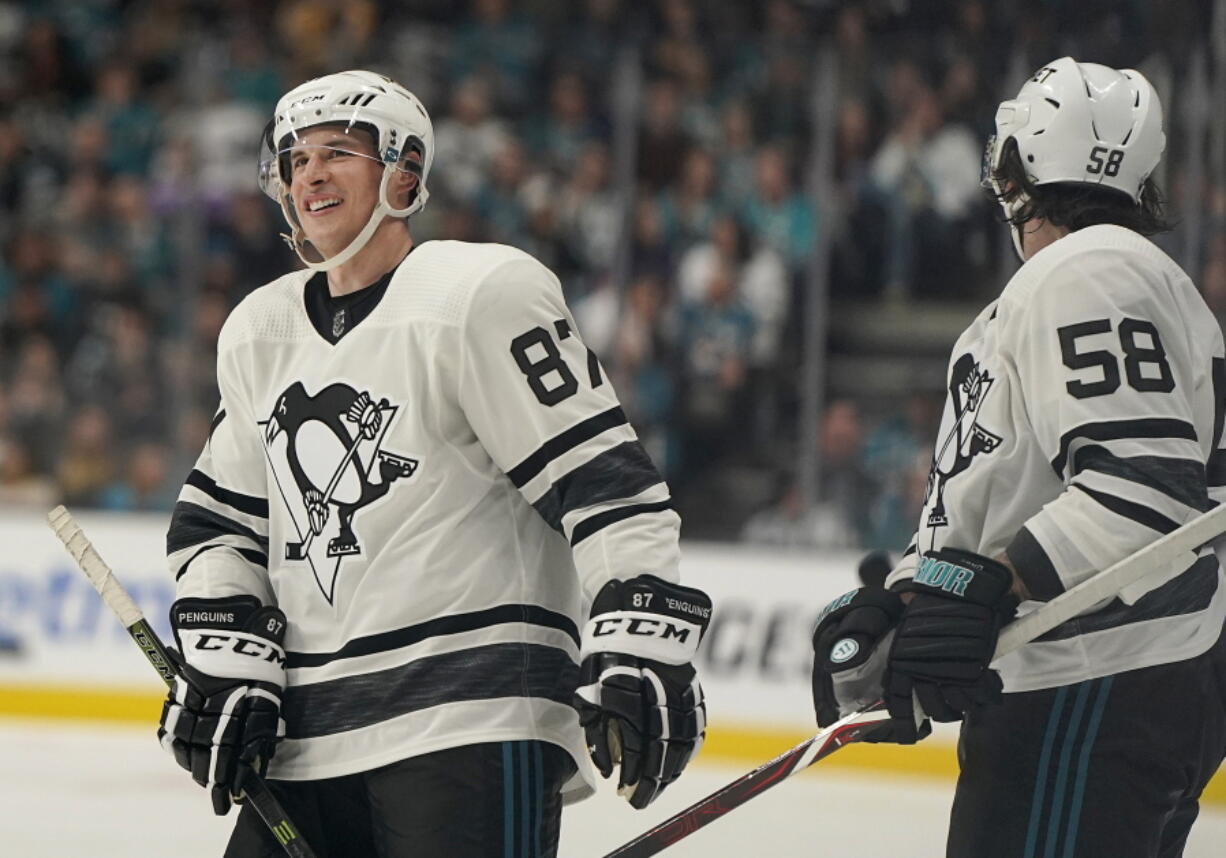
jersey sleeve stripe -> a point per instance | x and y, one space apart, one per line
491 672
191 525
1034 566
1135 512
1145 427
1188 592
253 557
217 418
1219 399
249 504
449 625
600 521
558 445
1182 480
621 472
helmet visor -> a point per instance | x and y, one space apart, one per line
297 149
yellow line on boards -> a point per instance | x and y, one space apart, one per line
80 703
748 746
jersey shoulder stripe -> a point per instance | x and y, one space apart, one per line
491 672
448 625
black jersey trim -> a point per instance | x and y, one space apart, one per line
620 472
250 504
1117 430
1131 510
1181 480
192 524
1034 566
250 555
491 672
1219 399
601 520
563 443
437 627
217 418
1215 471
1188 593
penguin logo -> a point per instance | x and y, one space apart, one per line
969 386
326 455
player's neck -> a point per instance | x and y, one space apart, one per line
1037 234
390 244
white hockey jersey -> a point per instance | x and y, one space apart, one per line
432 499
1083 421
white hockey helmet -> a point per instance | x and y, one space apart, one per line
1082 123
393 117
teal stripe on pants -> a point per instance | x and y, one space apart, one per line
1083 765
1062 773
538 759
1040 780
508 802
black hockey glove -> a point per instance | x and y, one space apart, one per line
638 699
947 635
223 713
850 648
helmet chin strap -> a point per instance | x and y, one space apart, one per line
298 240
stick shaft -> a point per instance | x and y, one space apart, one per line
852 728
133 619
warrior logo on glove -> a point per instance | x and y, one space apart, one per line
327 455
639 701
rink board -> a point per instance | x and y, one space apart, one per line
62 655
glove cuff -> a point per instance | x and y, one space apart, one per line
649 618
964 576
232 638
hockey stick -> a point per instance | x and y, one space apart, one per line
117 599
298 550
1156 556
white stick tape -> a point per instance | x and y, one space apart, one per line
94 567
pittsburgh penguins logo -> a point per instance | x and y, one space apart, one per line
327 457
969 386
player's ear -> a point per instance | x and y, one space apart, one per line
403 183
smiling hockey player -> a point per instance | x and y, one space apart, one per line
422 507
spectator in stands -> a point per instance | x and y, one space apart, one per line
560 134
501 45
716 338
467 141
778 214
689 207
86 465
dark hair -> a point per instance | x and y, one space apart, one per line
1076 205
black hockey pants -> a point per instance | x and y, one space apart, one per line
491 800
1109 767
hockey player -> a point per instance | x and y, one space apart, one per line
423 552
1084 420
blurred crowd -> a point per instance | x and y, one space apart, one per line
654 154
